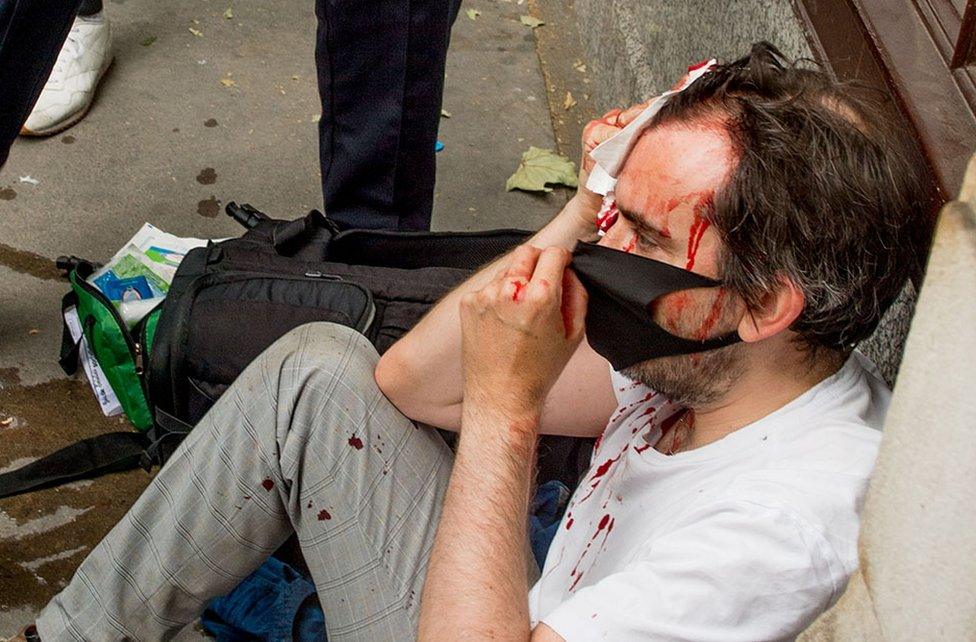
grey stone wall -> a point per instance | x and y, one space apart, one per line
637 48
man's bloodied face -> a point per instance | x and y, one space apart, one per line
664 194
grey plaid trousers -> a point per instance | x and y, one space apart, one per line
304 442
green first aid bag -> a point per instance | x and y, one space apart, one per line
121 353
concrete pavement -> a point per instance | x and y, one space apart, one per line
168 142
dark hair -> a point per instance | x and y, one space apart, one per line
823 193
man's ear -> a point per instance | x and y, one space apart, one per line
775 313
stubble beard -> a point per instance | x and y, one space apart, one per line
691 380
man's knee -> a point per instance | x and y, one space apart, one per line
323 349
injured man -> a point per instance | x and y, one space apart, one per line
695 310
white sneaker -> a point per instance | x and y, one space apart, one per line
84 58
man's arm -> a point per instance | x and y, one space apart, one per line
518 333
421 373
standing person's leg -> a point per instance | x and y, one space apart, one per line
381 80
70 88
304 441
31 35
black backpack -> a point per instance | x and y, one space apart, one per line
231 300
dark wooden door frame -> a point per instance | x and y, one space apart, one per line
919 53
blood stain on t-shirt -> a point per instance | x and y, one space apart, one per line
602 470
356 442
324 514
267 484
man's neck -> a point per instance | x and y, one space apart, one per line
760 391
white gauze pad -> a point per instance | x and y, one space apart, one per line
611 153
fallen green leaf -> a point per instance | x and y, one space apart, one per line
229 14
531 21
542 167
472 13
148 41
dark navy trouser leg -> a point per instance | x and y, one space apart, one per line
31 35
381 80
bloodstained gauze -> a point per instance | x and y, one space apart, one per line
324 515
267 484
607 216
356 442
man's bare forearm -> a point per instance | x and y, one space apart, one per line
421 373
476 583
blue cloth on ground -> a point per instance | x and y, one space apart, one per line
276 603
546 514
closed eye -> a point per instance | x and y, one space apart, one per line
650 236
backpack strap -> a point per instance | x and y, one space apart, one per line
86 459
68 359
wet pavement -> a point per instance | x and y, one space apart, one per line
183 124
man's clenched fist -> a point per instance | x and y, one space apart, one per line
519 332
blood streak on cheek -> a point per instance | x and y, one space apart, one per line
713 316
672 307
698 228
631 245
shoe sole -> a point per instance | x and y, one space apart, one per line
73 120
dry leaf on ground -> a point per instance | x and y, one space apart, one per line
445 113
472 13
228 82
229 14
542 167
195 32
569 102
531 21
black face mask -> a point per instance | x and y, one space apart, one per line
621 288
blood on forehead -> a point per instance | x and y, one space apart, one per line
671 165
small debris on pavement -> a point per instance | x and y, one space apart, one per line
316 118
148 41
33 331
569 102
228 82
445 113
531 21
580 66
539 168
195 32
30 180
229 14
472 13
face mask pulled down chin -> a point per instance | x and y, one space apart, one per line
621 288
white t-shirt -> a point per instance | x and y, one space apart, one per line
748 538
